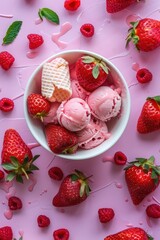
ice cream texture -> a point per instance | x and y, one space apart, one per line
56 84
74 114
105 103
93 134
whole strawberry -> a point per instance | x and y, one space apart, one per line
38 106
113 6
142 177
6 233
133 233
73 190
145 34
16 157
149 119
60 140
91 72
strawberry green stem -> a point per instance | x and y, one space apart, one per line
26 175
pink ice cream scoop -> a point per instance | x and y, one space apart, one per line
77 90
93 134
52 115
74 114
105 103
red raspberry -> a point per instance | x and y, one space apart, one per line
72 5
55 173
14 203
144 75
1 175
6 233
120 158
87 30
61 234
35 40
153 211
6 104
43 221
105 214
6 60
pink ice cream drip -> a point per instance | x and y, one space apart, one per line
105 103
74 114
93 134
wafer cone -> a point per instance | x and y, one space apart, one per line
56 84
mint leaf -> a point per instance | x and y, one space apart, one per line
12 32
49 15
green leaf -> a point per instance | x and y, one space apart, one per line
104 67
95 71
82 189
49 15
15 161
19 178
12 32
33 167
88 59
35 158
8 166
74 177
10 176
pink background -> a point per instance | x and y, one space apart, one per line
108 185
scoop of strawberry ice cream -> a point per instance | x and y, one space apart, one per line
52 115
93 134
74 114
105 103
77 90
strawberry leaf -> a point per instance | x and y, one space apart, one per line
10 176
9 166
49 15
14 161
12 32
104 67
19 178
74 177
35 158
33 167
95 71
82 189
88 59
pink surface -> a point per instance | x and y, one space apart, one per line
108 185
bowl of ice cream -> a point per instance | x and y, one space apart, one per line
96 115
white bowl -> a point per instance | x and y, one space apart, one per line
116 126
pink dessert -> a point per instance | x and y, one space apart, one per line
93 134
74 114
107 183
52 116
77 90
105 103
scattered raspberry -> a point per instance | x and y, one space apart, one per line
105 214
6 233
1 175
55 173
14 203
120 158
43 221
61 234
87 30
6 60
6 104
35 40
144 75
153 211
72 5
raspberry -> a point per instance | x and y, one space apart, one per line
87 30
72 5
6 60
6 104
120 158
35 40
14 203
144 75
6 233
61 234
1 175
153 211
43 221
55 173
105 214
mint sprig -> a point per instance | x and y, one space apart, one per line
49 15
12 32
